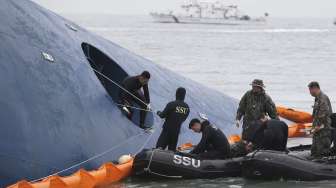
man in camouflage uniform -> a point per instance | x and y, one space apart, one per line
321 121
254 105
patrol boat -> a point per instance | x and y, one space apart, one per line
59 106
204 12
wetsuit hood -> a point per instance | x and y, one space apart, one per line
180 93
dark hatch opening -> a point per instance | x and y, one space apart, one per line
110 68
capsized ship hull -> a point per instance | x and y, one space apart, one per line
56 112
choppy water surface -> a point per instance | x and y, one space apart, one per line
285 53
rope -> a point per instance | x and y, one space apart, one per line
116 146
150 161
148 139
155 173
93 158
166 176
115 83
146 142
101 154
133 107
123 105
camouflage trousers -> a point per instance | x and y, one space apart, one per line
321 143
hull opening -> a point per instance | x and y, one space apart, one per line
109 70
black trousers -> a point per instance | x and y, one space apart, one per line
168 139
129 100
333 140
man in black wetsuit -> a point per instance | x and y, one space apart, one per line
213 145
267 135
271 134
133 85
175 113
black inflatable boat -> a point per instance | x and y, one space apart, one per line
168 164
295 165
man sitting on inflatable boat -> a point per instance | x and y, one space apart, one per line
213 144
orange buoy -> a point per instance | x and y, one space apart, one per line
295 115
185 146
234 138
107 174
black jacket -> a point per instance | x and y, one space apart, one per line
271 135
132 84
175 112
212 139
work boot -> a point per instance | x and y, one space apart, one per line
127 112
333 151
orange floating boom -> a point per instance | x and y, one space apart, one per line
107 174
295 115
298 130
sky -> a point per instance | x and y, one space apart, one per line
276 8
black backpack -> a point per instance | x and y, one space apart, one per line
333 120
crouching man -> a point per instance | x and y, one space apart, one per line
267 135
213 144
271 135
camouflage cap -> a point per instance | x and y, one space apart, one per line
258 83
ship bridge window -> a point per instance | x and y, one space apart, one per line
108 70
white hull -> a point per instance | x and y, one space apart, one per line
167 18
220 21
